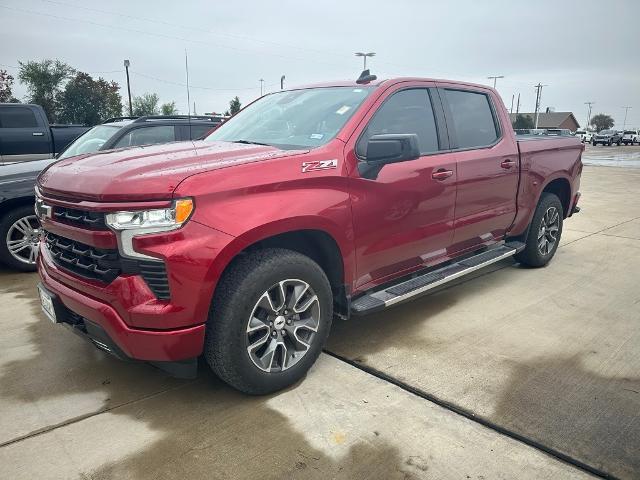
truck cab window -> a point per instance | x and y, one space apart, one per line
17 117
473 119
148 136
408 111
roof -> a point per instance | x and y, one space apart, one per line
548 119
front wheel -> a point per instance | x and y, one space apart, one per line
544 232
269 320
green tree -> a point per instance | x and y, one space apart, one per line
602 122
523 121
146 104
169 108
6 82
44 81
88 101
234 105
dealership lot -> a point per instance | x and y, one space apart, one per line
547 360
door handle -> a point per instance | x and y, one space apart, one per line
508 164
441 174
37 134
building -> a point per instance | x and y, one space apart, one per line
552 120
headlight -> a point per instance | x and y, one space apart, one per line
156 220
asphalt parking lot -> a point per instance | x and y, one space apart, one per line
515 373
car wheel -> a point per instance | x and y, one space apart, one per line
270 317
619 142
19 235
544 232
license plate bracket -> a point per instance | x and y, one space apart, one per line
47 304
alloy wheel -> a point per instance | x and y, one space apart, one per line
282 325
548 231
22 239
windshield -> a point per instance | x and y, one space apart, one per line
629 132
606 132
91 141
293 119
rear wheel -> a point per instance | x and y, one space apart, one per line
270 317
19 235
544 232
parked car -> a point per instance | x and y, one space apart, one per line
584 135
25 134
630 137
606 137
121 132
19 230
309 204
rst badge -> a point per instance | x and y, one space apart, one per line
319 165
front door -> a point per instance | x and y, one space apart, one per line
403 216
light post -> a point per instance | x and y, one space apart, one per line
626 110
364 57
589 114
126 67
494 78
282 82
261 84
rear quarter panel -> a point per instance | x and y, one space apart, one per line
541 162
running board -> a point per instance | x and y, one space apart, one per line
390 295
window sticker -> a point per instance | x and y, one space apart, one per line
343 109
316 136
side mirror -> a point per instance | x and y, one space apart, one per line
388 148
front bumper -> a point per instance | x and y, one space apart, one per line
122 340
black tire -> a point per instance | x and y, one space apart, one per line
619 143
6 221
531 255
240 288
594 143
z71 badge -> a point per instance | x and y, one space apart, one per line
319 165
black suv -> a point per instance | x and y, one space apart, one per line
606 137
19 229
120 132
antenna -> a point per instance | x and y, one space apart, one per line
186 68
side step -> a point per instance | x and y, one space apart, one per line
390 295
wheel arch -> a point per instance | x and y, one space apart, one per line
561 187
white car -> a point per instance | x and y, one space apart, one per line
630 137
584 135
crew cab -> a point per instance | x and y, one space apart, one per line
310 204
25 134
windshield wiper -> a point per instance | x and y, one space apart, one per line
249 142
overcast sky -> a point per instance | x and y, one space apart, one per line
583 50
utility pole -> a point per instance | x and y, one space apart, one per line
589 113
626 110
282 82
261 84
364 57
538 98
126 67
518 106
494 78
513 96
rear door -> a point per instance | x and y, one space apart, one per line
24 134
487 161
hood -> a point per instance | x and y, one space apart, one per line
146 173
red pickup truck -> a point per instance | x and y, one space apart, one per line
310 204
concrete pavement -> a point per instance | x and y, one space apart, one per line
550 354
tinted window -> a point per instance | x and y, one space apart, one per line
147 136
408 111
17 117
197 131
472 118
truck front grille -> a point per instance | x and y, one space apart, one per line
84 260
80 218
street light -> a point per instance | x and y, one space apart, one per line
126 67
261 84
364 57
495 78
